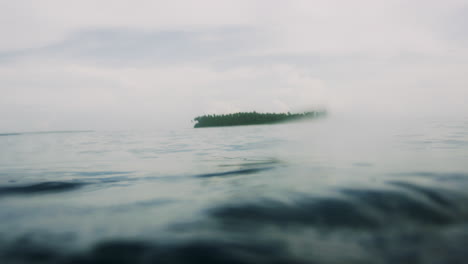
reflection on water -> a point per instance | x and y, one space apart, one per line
331 191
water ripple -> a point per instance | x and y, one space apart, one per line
43 187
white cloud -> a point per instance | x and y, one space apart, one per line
31 24
126 95
115 64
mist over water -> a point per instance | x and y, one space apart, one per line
342 189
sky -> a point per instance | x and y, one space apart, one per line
121 64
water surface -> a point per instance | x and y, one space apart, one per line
336 190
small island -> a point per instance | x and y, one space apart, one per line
252 118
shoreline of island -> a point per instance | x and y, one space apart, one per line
253 118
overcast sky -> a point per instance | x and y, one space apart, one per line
120 64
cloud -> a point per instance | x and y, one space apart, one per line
92 65
32 24
80 96
126 47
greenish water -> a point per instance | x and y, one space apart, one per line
334 190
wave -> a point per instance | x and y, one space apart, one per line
234 172
402 223
46 132
43 187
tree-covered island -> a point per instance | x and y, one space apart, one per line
252 118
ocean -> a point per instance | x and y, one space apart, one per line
340 189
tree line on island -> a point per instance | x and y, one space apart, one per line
252 118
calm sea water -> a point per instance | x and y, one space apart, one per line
334 190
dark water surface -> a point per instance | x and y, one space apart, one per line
329 191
